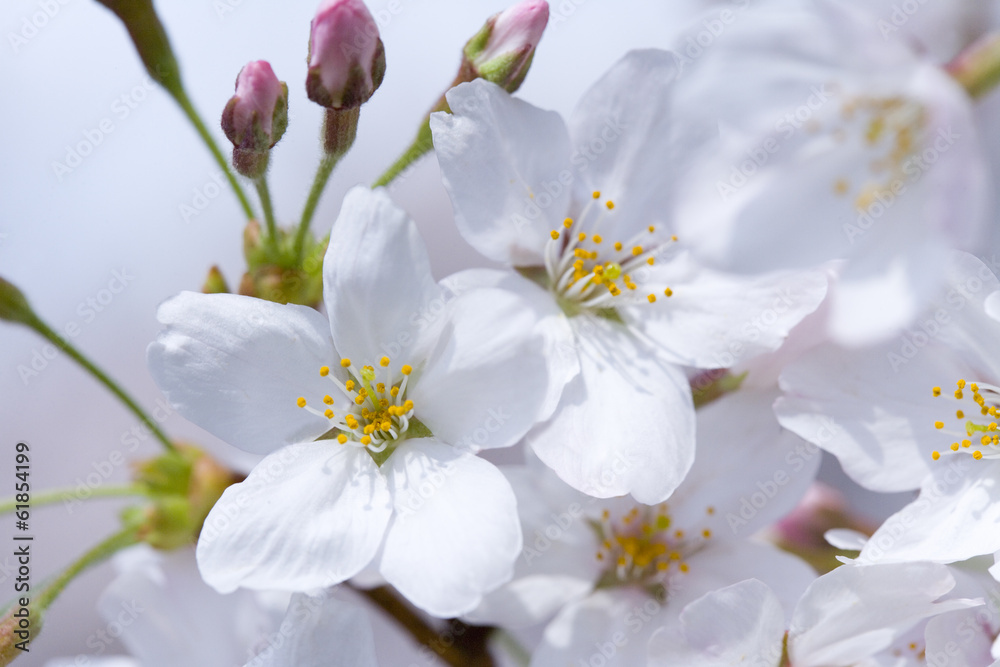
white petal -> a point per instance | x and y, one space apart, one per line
625 424
716 320
505 165
956 516
159 601
551 323
610 627
236 365
308 516
748 471
487 381
320 632
856 611
454 534
959 639
558 563
742 624
846 539
630 146
377 282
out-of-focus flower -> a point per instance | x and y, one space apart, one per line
585 217
852 614
502 51
613 571
255 117
834 142
346 56
165 615
370 432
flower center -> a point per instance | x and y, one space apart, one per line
641 549
977 413
589 272
377 413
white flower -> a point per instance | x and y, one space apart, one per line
163 613
370 432
586 216
846 617
834 142
613 571
909 414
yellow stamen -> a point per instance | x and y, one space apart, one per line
554 234
342 439
324 371
406 370
301 402
345 363
383 362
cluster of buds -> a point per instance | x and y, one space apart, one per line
255 117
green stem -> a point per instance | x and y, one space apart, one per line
977 68
57 495
514 650
99 553
265 201
422 144
43 330
192 114
326 166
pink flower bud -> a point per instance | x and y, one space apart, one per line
515 29
346 56
256 116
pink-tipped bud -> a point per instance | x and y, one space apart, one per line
346 56
255 117
502 51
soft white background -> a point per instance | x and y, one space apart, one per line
60 240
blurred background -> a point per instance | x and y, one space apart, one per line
73 233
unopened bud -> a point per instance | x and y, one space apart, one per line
215 283
255 117
14 305
502 51
346 56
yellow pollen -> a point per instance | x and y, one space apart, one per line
328 399
650 261
684 568
394 392
985 440
342 439
662 565
651 298
618 245
936 391
710 511
597 194
679 534
359 399
349 385
966 443
961 384
977 455
636 251
597 238
974 387
959 414
668 292
345 363
365 440
938 424
301 402
706 533
408 405
324 371
383 362
554 234
380 387
610 205
567 223
405 370
935 455
581 237
673 238
328 414
958 393
954 446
